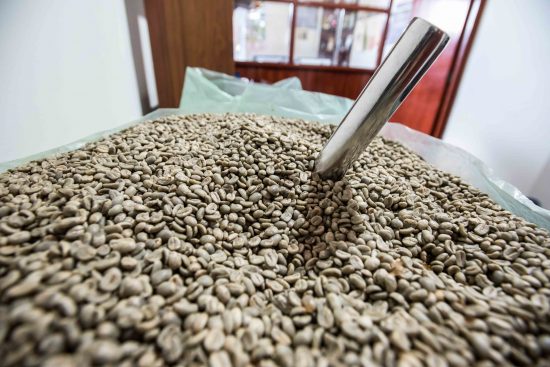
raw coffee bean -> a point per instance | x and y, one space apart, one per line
255 197
214 340
105 351
85 253
123 245
110 280
170 341
206 240
325 318
372 263
19 237
130 287
219 359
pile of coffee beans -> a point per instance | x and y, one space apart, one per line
206 240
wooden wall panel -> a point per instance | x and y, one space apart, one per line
188 33
339 82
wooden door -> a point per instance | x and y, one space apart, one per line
188 33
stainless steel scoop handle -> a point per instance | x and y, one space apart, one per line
408 61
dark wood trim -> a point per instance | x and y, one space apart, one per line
467 36
274 65
353 7
384 34
292 33
338 83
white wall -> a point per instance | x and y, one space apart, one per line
66 71
502 110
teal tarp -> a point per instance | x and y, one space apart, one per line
209 91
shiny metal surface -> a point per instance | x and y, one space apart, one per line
414 53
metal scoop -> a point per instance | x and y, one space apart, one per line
410 58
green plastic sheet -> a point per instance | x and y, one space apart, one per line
209 91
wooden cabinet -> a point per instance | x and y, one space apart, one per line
201 33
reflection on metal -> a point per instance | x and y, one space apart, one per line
410 58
